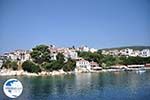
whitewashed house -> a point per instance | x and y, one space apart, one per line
53 56
18 55
145 53
73 55
114 52
12 56
104 52
83 65
126 52
93 50
22 55
70 54
85 48
135 53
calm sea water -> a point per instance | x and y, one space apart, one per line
85 86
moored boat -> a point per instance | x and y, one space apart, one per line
141 70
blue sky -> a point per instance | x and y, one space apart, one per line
96 23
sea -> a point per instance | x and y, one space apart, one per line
83 86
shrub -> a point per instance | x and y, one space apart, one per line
6 64
10 65
47 66
14 65
30 67
69 66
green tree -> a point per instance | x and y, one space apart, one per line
108 60
147 60
14 65
40 54
57 65
6 64
99 52
53 65
118 60
60 57
48 66
10 65
31 67
69 65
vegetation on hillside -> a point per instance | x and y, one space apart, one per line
31 67
108 60
41 60
40 54
69 65
10 65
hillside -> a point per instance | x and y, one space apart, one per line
131 47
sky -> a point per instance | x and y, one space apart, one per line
95 23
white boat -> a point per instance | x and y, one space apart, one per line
141 70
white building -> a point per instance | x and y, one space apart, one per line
12 56
73 55
70 54
126 52
83 64
114 52
145 53
135 53
104 52
83 48
93 50
18 55
53 56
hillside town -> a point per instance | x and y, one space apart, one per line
82 65
128 52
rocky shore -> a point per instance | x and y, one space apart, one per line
8 72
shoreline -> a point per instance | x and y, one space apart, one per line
8 72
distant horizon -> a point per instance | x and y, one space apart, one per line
97 24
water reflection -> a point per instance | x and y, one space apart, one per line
89 86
